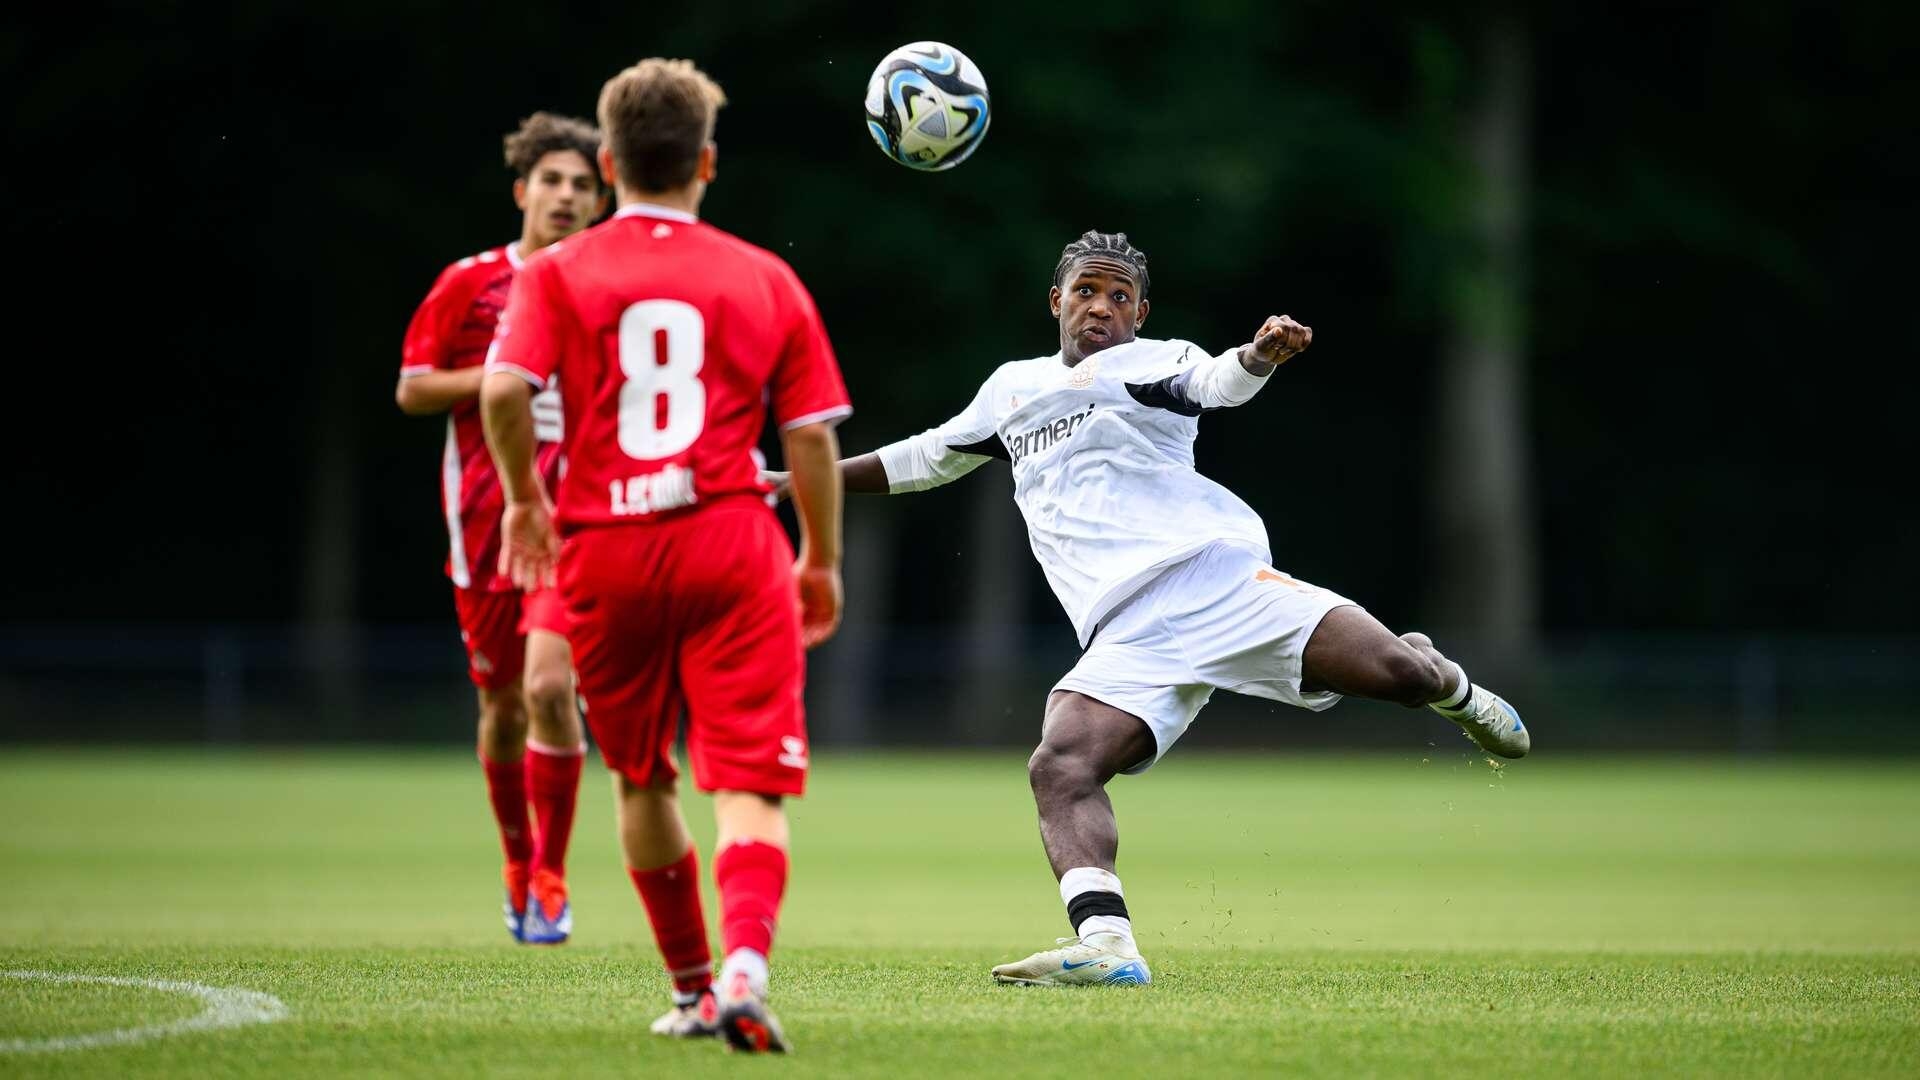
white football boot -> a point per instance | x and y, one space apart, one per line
1095 960
700 1020
1491 723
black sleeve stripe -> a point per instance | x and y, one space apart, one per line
991 446
1169 393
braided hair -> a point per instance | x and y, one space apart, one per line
1109 245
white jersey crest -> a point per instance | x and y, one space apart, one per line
1102 457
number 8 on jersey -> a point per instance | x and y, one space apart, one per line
663 405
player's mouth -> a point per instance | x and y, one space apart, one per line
1096 332
562 220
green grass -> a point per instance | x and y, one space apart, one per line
1304 916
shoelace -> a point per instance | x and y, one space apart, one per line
1486 712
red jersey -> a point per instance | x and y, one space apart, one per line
673 339
452 330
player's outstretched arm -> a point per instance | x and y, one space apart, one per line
1235 376
927 460
428 392
862 475
812 452
529 547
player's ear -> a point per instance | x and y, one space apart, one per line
520 193
1140 316
709 163
1053 300
607 175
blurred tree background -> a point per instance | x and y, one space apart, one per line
1608 303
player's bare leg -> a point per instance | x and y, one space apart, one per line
555 748
665 869
1083 744
502 745
750 869
1352 653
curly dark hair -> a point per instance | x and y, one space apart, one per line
1110 245
544 133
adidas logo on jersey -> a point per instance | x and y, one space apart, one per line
1044 436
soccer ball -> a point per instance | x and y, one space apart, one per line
927 106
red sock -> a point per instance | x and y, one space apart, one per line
671 895
752 877
553 783
507 789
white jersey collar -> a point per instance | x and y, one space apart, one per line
654 210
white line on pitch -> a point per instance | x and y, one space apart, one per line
226 1008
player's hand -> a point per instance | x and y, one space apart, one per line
819 588
1280 338
529 547
780 482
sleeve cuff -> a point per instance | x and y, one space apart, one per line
1235 383
410 370
834 415
515 369
898 459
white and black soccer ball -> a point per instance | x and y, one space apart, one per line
927 106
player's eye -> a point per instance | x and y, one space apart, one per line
1119 298
1085 290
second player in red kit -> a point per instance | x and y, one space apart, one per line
673 340
530 744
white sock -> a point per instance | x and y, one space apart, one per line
1106 924
1086 879
751 961
1462 690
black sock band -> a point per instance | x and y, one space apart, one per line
1088 904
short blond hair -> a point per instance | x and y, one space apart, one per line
657 116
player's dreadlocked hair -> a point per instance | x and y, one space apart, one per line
1110 245
544 133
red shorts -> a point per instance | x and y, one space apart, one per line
696 613
494 628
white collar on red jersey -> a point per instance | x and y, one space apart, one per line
644 209
513 256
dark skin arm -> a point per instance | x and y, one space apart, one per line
863 474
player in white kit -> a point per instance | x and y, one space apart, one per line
1165 574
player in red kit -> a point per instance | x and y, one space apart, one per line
672 340
530 744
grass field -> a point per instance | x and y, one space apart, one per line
1304 916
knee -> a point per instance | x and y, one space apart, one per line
1054 769
502 710
503 726
549 690
1412 679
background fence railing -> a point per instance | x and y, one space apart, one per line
915 687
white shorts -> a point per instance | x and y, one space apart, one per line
1219 620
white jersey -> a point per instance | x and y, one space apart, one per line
1102 456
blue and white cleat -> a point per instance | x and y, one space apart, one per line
549 917
1491 723
1097 960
